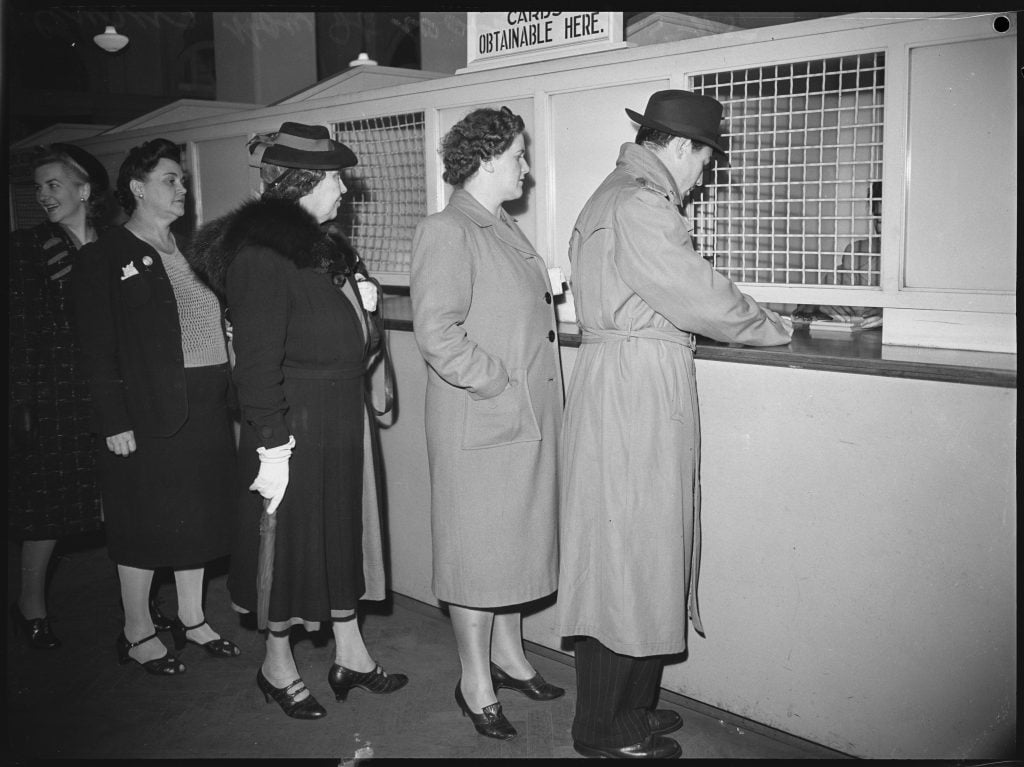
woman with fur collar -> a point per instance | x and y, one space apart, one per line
303 338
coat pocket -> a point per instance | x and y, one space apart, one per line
502 420
135 290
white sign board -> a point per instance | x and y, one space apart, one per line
504 38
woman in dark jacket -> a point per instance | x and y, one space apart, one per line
155 355
303 338
52 489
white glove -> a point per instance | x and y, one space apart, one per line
367 293
272 479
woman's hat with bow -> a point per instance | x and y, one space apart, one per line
309 147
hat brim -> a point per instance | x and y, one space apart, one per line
99 179
339 156
693 133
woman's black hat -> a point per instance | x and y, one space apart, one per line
304 146
99 180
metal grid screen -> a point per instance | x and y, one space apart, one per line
387 189
801 198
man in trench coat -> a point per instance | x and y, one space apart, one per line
630 493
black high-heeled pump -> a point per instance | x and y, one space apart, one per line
37 631
490 722
535 688
168 665
343 679
218 648
307 708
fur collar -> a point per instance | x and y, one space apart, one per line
280 225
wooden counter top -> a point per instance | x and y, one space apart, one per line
859 352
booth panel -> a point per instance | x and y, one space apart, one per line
586 129
406 521
858 579
222 177
963 139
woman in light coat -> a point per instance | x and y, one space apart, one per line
484 323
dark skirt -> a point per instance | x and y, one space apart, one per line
169 504
318 561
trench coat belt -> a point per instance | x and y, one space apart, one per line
658 334
355 370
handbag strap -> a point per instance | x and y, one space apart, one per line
377 319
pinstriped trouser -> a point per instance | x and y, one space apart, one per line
613 695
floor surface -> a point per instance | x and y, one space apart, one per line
77 703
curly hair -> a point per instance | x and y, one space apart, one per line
279 182
282 183
138 164
479 136
95 206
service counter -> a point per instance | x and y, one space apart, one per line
857 352
858 583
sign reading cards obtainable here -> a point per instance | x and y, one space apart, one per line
502 38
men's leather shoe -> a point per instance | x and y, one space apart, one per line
663 721
651 747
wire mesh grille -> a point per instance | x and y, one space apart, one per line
801 198
387 190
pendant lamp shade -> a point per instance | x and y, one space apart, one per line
362 60
110 40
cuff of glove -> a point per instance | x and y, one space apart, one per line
276 454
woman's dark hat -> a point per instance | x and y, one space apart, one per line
686 114
98 178
304 146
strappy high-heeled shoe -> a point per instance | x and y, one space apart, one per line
343 679
218 648
37 631
490 722
534 688
307 708
168 665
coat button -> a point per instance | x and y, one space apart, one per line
551 335
547 297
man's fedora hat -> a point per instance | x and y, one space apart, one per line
686 114
98 178
304 146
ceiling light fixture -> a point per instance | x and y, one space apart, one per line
110 40
362 60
